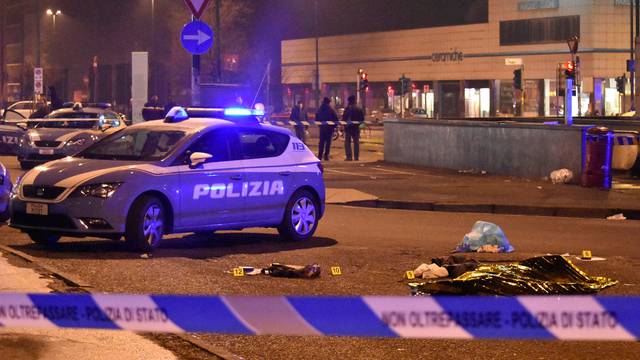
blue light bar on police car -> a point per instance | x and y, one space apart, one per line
243 112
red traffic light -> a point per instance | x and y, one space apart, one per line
364 76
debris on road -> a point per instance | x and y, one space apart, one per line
562 176
545 275
293 271
617 217
485 234
430 271
280 270
146 256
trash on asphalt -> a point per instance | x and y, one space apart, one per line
293 271
278 270
562 176
430 271
146 256
544 275
617 217
482 234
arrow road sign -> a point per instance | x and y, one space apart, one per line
197 37
197 7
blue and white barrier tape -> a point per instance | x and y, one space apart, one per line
525 317
310 123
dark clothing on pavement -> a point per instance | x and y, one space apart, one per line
325 113
298 115
352 131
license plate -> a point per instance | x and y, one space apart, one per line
37 209
45 151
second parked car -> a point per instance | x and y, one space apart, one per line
65 132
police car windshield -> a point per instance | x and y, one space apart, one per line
135 145
66 124
72 115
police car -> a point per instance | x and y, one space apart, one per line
196 171
5 190
65 132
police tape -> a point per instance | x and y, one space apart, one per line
311 123
525 317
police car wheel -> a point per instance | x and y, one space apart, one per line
301 217
44 238
145 224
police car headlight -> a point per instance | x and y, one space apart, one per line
103 191
76 142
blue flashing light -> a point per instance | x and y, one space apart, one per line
243 112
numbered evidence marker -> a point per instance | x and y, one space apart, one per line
336 271
238 272
410 275
586 255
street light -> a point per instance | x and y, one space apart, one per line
573 44
54 13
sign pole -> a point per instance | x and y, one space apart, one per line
195 77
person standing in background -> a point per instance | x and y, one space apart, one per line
354 115
298 114
325 115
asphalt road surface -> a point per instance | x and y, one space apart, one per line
374 247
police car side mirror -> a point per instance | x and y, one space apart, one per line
198 158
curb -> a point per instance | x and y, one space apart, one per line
630 214
85 287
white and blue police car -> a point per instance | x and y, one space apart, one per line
199 170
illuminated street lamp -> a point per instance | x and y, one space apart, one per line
54 13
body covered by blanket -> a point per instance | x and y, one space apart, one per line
545 275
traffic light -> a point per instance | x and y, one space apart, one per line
620 83
364 81
405 85
517 79
570 71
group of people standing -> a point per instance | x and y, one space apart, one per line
327 118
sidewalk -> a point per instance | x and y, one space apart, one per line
65 344
408 187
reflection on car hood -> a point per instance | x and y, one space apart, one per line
70 171
56 134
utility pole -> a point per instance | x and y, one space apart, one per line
3 75
631 66
38 15
636 39
218 44
317 90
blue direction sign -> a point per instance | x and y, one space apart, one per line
197 37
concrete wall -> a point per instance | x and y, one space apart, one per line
523 150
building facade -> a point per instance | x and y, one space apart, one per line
468 70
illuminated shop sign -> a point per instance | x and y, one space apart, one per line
539 4
451 56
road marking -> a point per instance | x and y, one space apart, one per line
347 173
394 171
